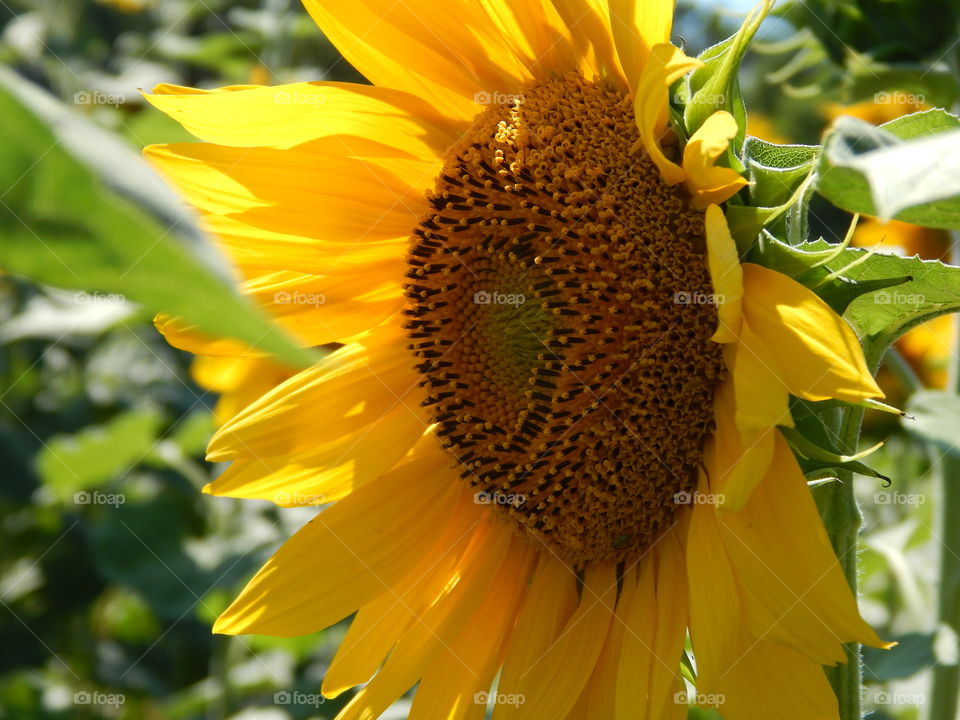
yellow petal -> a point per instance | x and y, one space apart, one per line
491 548
553 684
319 309
599 696
347 555
707 182
798 598
550 603
536 33
589 25
715 608
637 27
663 67
653 608
815 351
374 120
238 380
671 627
787 685
456 680
379 624
443 53
726 275
343 393
306 192
761 399
736 459
329 471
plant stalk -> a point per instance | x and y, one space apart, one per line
842 518
945 689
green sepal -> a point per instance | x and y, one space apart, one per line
716 85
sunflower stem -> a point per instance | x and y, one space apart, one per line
841 515
946 678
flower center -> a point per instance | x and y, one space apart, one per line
560 310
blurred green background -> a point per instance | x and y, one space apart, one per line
113 565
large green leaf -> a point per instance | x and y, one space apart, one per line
63 226
906 169
921 290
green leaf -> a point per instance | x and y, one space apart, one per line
880 317
934 416
776 171
905 169
62 226
70 464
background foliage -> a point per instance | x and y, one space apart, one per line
113 564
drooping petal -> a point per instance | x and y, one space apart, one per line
707 182
761 397
798 598
653 608
816 353
736 459
782 681
726 275
663 67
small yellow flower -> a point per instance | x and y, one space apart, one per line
550 437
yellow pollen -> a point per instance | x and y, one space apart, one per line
559 311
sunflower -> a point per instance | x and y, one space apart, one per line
549 442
